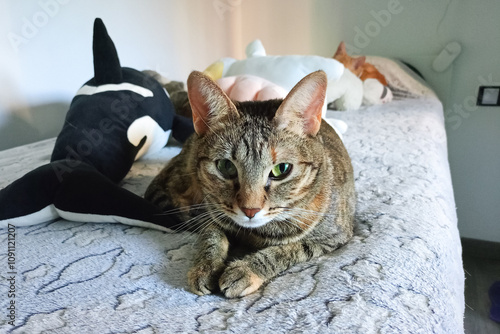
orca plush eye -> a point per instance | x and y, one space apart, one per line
227 168
280 171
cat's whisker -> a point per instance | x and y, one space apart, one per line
302 217
209 221
199 217
305 216
207 209
217 218
197 224
238 231
295 223
188 208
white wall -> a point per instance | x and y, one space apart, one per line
46 51
176 36
474 132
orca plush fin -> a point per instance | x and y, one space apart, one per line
107 69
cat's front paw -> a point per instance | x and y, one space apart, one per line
203 278
239 280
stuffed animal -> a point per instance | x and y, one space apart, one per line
248 87
115 118
177 93
239 88
286 71
274 76
346 93
375 93
375 90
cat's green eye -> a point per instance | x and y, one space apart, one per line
227 168
280 171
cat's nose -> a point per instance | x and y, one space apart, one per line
250 213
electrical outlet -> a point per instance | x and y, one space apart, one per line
488 96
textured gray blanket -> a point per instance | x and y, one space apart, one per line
401 273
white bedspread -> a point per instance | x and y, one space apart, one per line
401 273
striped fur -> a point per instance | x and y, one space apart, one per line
305 215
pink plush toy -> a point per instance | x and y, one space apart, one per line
248 87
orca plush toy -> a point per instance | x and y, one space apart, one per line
115 118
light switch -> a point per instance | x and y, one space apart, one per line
488 96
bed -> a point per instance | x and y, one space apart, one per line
401 273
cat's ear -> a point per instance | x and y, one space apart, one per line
358 62
208 101
340 50
302 108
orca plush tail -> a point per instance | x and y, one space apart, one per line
79 194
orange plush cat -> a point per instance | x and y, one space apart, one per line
358 66
375 90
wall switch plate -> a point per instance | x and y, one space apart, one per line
488 96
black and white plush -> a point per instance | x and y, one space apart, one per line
115 118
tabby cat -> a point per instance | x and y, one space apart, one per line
270 176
